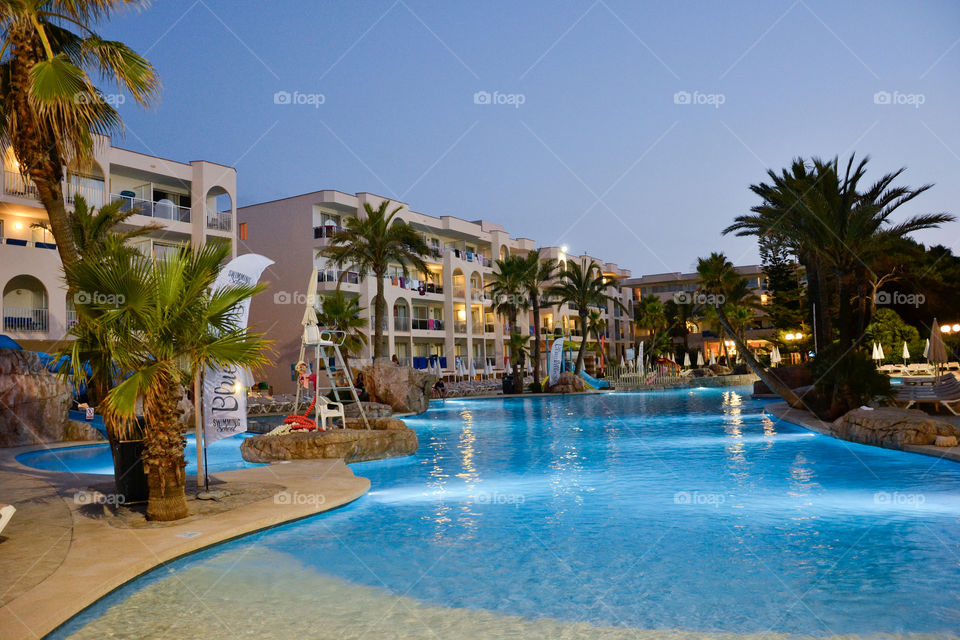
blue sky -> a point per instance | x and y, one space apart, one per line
591 146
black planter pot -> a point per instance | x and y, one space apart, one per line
507 384
128 474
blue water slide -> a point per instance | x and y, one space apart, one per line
594 382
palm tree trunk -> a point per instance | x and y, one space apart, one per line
772 382
535 303
51 196
163 459
380 313
583 339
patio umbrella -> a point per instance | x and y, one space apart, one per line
906 352
775 355
713 358
640 365
488 368
473 369
436 366
880 350
686 359
938 351
699 358
926 350
876 353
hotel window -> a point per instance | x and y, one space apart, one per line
242 231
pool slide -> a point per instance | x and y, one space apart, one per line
594 383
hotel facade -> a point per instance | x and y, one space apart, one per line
192 202
445 312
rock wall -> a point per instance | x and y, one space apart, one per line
568 382
891 427
34 403
388 438
405 389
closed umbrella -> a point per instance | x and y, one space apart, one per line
938 351
713 358
926 350
906 352
775 355
699 358
473 369
876 352
640 364
487 368
686 359
880 350
436 366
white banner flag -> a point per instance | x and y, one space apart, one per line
225 388
556 360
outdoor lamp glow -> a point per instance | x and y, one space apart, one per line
564 248
799 336
17 226
956 328
789 336
945 328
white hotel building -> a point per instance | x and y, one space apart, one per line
445 312
193 202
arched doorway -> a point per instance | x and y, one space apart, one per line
25 305
219 207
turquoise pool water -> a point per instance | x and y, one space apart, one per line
596 516
222 455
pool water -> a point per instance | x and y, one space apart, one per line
615 515
222 455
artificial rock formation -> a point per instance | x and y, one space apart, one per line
387 438
891 427
405 389
34 403
568 383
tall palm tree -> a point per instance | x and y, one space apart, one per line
50 105
93 228
596 328
508 289
370 245
342 312
539 273
162 326
648 314
834 227
720 283
583 285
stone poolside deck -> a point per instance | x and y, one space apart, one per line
58 556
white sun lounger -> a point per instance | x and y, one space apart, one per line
6 513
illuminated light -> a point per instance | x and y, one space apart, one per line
17 226
799 336
564 248
237 387
789 336
956 328
945 329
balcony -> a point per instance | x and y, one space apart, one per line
459 327
163 210
219 221
94 196
333 275
326 231
14 242
477 329
15 184
71 318
401 324
26 319
489 328
427 324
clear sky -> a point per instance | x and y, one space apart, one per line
587 138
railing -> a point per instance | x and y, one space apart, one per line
325 231
93 196
427 324
14 184
15 242
161 210
333 275
71 318
401 324
459 327
26 319
220 220
490 328
477 328
459 292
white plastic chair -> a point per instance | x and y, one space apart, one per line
329 409
6 513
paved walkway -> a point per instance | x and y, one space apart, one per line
58 555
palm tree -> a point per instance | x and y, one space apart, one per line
584 286
342 312
538 274
648 314
834 229
50 105
92 229
596 327
508 288
164 325
722 287
370 245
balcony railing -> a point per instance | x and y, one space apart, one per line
15 242
325 231
427 324
162 210
333 275
401 324
15 184
459 292
460 327
94 196
477 328
71 318
489 328
26 319
220 220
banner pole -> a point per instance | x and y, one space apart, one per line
198 426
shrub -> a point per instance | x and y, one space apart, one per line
846 380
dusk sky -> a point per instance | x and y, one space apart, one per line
628 130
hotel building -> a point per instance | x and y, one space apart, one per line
192 202
445 312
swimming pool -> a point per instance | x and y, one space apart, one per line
222 455
610 516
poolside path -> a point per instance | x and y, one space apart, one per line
59 555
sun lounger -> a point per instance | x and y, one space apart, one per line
945 391
6 513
